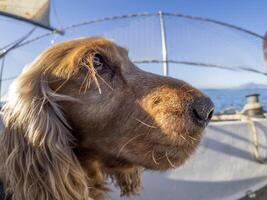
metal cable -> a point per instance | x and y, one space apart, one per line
1 75
250 69
216 22
146 15
54 9
4 52
12 46
200 64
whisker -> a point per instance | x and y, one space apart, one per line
149 131
188 91
161 157
169 161
105 82
125 144
195 139
51 81
84 82
186 153
60 86
148 152
170 152
94 76
150 126
88 83
182 137
41 106
153 158
184 85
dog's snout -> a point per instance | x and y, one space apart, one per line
202 110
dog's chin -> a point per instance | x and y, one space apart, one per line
165 149
170 156
163 161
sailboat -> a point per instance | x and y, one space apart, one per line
230 162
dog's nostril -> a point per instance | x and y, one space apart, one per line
210 114
196 115
203 109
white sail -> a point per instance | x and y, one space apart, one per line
33 10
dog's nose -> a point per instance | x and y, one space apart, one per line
202 109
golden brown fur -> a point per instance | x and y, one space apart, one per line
83 113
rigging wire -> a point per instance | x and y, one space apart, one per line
216 22
9 78
4 52
178 15
14 45
11 44
54 9
1 75
185 63
201 64
231 26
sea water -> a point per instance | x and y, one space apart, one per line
234 98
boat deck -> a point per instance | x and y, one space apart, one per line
258 195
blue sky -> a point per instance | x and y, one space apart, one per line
246 13
186 40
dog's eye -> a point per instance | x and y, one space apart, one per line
101 66
99 63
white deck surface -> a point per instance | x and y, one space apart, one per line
223 168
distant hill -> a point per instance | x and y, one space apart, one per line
252 86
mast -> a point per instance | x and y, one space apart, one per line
164 45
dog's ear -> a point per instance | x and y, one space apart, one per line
36 157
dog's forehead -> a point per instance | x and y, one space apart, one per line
64 59
124 50
106 43
110 45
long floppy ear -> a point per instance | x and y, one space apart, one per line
36 157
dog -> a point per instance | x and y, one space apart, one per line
83 114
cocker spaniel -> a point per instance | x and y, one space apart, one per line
83 114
